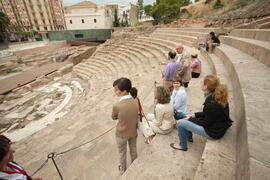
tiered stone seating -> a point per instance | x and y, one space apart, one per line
255 43
249 77
242 152
187 36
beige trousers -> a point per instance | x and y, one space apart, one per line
122 148
168 85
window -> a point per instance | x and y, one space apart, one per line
78 35
95 21
70 21
82 20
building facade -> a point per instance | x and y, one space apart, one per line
128 13
87 15
37 15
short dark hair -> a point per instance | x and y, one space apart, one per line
4 146
194 55
212 33
172 54
125 84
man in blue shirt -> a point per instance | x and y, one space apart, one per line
170 71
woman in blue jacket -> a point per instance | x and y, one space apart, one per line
213 122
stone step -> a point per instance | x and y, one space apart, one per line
206 30
101 64
114 63
265 25
166 44
86 71
151 57
200 35
161 48
257 34
138 50
176 36
150 48
172 38
130 64
255 24
103 69
260 50
223 150
251 82
85 75
133 56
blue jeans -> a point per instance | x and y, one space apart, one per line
185 129
180 115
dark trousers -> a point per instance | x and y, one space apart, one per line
195 75
185 84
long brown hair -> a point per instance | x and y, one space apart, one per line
219 91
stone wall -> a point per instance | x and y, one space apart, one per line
99 34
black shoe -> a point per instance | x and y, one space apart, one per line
182 149
190 140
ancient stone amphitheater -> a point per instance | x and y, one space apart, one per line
242 61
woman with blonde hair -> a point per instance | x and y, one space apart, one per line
163 120
213 122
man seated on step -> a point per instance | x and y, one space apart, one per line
170 71
213 42
184 60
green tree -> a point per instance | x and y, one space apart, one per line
148 9
4 21
218 4
197 0
140 8
116 19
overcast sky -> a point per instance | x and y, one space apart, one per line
102 2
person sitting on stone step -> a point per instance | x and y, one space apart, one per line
8 168
179 99
213 42
184 64
213 122
162 121
170 71
126 111
195 66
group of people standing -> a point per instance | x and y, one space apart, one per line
170 108
182 64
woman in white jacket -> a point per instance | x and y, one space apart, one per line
162 122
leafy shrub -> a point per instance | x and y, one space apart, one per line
218 4
138 24
184 10
167 20
155 21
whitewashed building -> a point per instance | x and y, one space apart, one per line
128 12
86 15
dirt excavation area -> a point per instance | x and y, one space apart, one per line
31 98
